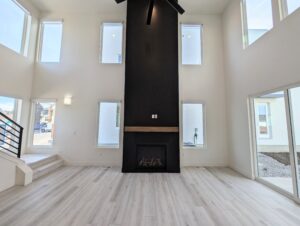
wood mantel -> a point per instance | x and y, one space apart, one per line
147 129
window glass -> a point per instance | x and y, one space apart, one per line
273 155
51 42
10 107
112 39
43 124
191 44
12 19
109 124
193 125
292 5
259 18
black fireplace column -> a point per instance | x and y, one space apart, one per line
151 135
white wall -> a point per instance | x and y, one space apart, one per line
7 174
16 71
81 75
16 76
269 63
206 83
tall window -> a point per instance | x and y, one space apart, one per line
14 26
11 107
43 123
51 39
109 124
193 124
191 44
257 18
112 40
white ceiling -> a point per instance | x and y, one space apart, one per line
109 6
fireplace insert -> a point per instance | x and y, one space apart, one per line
151 157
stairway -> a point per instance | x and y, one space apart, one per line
42 164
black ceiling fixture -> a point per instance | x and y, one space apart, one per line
173 3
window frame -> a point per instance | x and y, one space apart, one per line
101 41
41 40
18 106
31 127
253 140
244 20
204 146
108 146
284 9
25 39
201 43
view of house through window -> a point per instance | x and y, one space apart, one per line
191 46
14 23
112 40
263 119
258 19
11 108
109 124
43 123
273 154
51 39
193 124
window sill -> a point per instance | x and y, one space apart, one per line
200 147
43 147
108 146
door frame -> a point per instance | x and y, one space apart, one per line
290 130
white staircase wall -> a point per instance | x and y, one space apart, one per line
7 174
13 171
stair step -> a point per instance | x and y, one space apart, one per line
47 168
45 161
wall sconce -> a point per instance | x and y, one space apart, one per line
68 100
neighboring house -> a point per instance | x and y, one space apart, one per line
270 117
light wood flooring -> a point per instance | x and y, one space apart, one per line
104 196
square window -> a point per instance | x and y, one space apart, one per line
9 133
51 39
109 124
191 44
43 123
11 107
112 43
258 19
14 26
193 125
